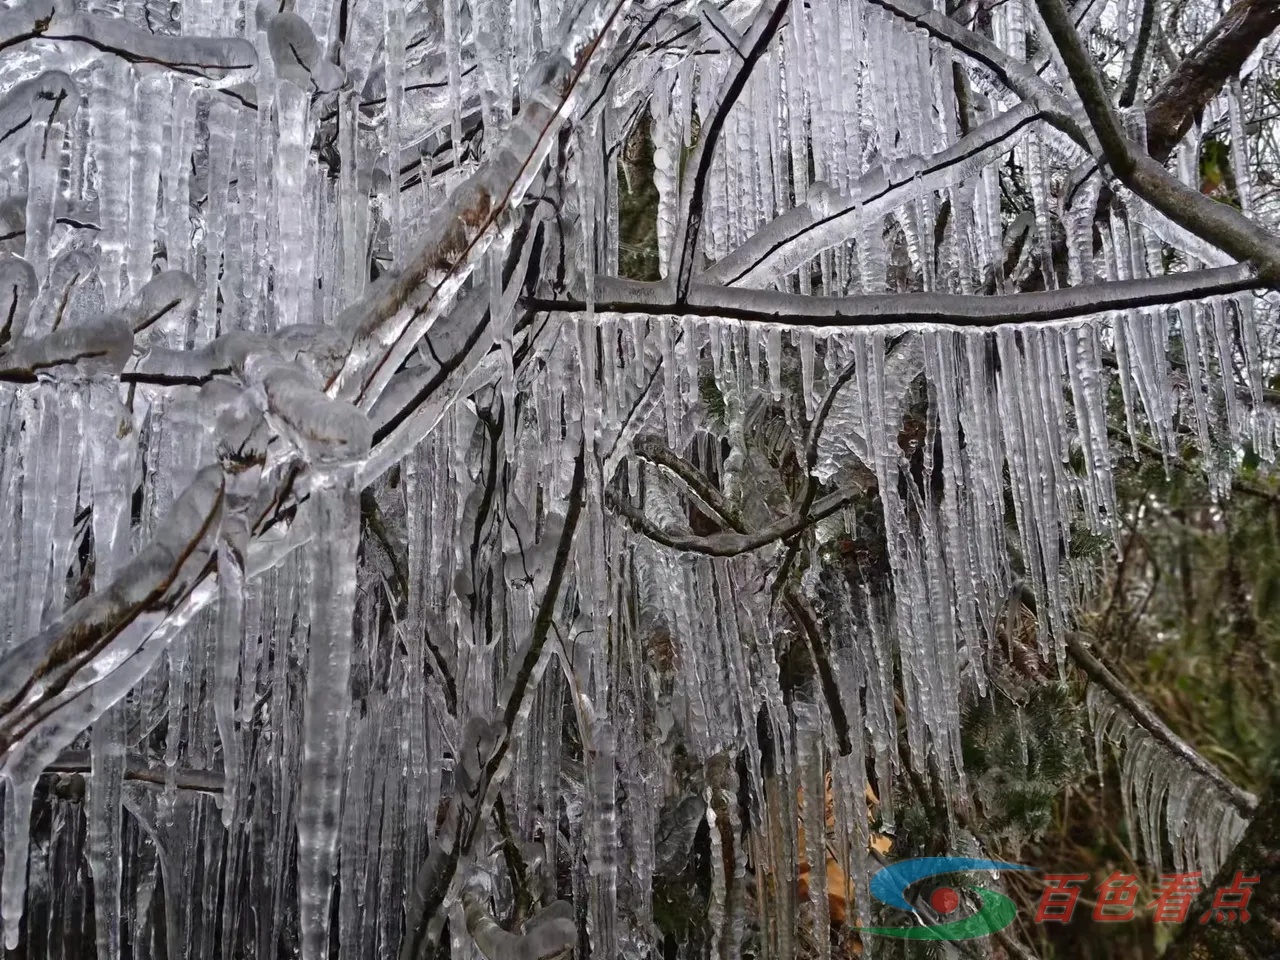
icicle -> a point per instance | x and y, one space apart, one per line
1222 342
230 639
452 43
110 474
333 591
1089 399
491 22
811 399
773 352
1239 146
114 89
812 781
144 166
17 829
222 130
602 862
105 848
393 55
44 162
292 107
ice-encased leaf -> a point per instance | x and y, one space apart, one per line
99 347
298 56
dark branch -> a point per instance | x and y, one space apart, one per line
888 310
1226 228
136 769
1097 671
807 621
700 164
726 543
1197 79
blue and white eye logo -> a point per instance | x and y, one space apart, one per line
890 884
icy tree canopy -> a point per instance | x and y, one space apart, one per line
412 568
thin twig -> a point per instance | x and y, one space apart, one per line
730 543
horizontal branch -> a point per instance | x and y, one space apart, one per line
137 769
879 310
216 59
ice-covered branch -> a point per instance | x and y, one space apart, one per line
51 95
456 357
888 310
387 325
1218 223
139 771
828 218
54 665
549 934
730 543
217 59
98 346
101 346
1198 78
768 18
1145 717
656 451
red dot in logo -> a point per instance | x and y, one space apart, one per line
944 900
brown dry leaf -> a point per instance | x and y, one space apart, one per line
839 886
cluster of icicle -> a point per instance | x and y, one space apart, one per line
301 716
1161 792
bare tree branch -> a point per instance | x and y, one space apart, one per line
880 310
727 543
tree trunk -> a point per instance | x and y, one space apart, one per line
1256 855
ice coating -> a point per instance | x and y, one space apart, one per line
397 558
